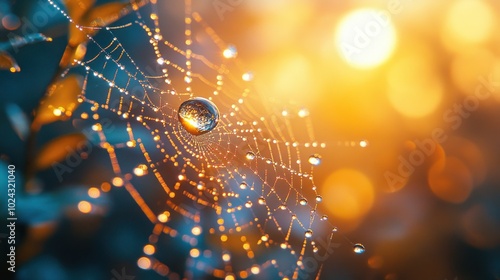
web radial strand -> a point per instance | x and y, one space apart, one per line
241 199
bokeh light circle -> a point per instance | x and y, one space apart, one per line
348 194
366 38
476 29
414 91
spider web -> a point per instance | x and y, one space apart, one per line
241 198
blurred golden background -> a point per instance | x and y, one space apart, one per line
420 82
406 94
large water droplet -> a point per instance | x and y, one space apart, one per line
248 204
319 198
359 248
198 115
303 201
308 233
315 159
243 185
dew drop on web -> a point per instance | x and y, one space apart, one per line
315 159
250 156
230 52
303 201
359 248
262 200
198 115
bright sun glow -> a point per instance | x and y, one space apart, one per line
366 38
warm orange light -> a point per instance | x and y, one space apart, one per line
414 91
57 112
144 263
196 230
105 187
466 67
451 182
163 217
149 249
366 38
250 255
94 192
194 253
255 269
375 262
117 182
468 21
141 170
348 194
290 66
84 206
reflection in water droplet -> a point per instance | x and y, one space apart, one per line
248 204
324 217
319 198
250 156
303 201
262 200
315 159
198 115
309 233
243 185
359 248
